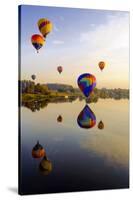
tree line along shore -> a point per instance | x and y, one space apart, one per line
31 91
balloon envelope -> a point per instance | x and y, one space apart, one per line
45 26
101 65
86 119
86 83
33 77
59 69
37 41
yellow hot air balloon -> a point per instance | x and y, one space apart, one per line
45 26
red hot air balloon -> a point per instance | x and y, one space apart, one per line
60 69
101 65
37 41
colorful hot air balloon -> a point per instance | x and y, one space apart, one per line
60 69
86 119
86 83
38 151
37 41
101 125
101 65
59 118
45 26
45 166
33 77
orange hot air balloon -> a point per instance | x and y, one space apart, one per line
101 125
101 65
37 41
60 69
38 151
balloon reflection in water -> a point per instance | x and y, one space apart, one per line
86 119
59 118
38 151
101 125
45 166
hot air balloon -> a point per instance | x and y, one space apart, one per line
59 118
37 41
60 69
45 166
86 119
33 77
101 125
45 26
101 65
86 83
38 151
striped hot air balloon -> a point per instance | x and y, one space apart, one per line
86 83
45 26
37 41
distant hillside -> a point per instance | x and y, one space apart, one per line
60 87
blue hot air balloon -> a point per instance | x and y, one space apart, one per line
86 83
86 118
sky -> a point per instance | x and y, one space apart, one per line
79 40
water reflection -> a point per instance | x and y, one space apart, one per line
38 151
86 118
104 157
59 118
37 105
45 166
100 125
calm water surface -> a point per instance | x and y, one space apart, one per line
81 159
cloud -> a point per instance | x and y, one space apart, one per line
58 42
92 25
110 36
